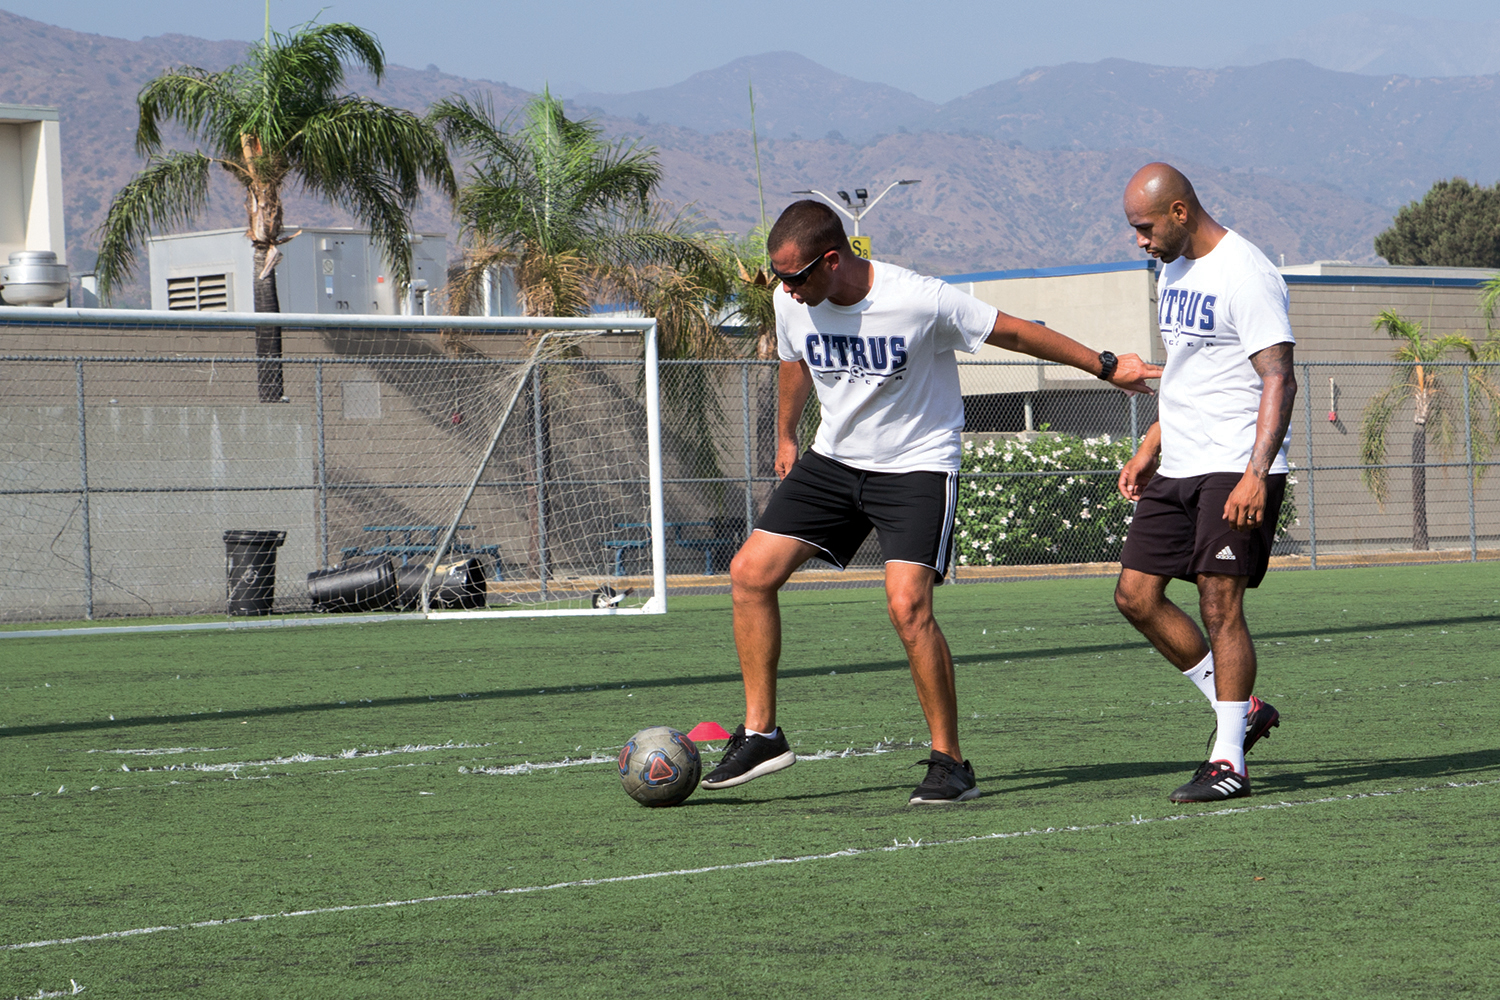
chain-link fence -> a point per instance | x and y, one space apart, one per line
120 473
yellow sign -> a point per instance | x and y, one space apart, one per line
861 245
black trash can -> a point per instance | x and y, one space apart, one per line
361 585
456 585
250 566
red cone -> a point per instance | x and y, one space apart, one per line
707 731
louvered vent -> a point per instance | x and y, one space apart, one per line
200 292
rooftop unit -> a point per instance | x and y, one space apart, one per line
320 271
33 257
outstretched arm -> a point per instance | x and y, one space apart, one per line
1014 334
1247 504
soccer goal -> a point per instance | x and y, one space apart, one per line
437 465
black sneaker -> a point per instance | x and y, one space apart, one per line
750 756
947 780
1215 781
1261 719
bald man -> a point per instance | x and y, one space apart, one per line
1208 478
878 343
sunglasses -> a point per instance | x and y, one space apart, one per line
800 278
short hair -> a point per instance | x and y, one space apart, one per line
808 225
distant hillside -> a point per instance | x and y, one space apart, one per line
1386 139
1384 43
985 202
795 99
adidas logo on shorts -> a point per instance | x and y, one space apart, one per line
1224 553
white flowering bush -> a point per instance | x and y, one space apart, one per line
1071 512
1074 513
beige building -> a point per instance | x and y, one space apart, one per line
33 253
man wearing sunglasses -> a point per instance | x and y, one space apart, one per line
878 344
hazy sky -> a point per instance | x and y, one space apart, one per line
938 49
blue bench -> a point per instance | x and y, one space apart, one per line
715 549
620 545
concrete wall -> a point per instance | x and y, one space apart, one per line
155 550
1333 306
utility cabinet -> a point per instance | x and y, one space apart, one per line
320 271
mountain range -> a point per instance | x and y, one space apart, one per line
1309 163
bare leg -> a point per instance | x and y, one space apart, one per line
1221 601
908 592
1142 598
757 572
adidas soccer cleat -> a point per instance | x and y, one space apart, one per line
748 756
947 780
1215 781
1259 721
1262 719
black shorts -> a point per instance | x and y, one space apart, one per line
833 507
1179 529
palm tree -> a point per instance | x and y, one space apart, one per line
573 215
277 118
1437 398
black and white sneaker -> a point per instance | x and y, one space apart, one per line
748 756
1215 781
947 780
1259 721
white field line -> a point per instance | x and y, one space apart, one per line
848 852
298 758
610 755
599 758
43 994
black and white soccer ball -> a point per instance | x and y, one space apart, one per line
660 766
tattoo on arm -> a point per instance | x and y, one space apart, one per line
1279 392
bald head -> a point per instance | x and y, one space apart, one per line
1168 219
1156 186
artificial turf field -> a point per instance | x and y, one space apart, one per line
283 784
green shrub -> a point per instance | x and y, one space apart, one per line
1072 512
1027 520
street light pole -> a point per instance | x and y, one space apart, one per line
853 211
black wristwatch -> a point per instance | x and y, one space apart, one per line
1107 364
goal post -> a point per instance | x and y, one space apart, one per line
468 466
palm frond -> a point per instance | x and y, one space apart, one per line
170 191
205 104
554 284
464 287
1490 299
1372 440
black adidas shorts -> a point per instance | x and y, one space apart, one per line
833 506
1179 529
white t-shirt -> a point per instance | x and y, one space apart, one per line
1214 313
885 369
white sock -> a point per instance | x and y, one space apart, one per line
770 736
1229 742
1203 676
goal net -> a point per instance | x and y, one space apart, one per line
452 466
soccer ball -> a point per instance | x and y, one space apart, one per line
660 767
